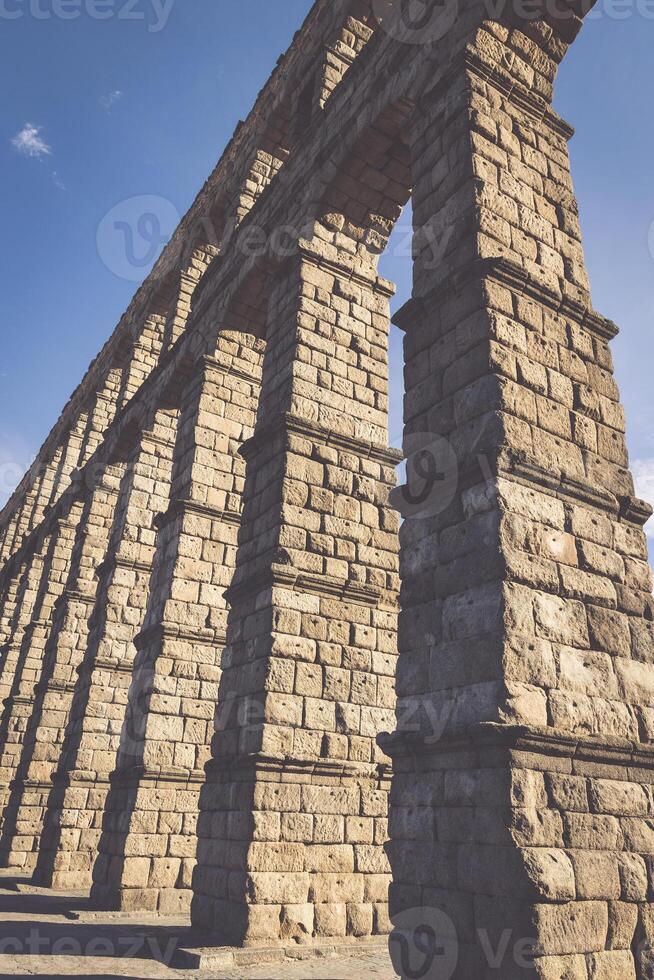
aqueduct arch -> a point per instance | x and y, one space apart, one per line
227 549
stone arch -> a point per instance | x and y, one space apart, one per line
372 185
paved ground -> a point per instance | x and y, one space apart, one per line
46 934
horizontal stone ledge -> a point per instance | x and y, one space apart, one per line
483 741
22 632
157 439
506 273
54 687
510 465
136 775
213 364
198 953
173 631
105 663
13 699
288 424
226 768
286 577
74 595
197 509
37 785
117 561
79 777
635 511
308 252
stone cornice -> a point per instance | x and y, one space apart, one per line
112 664
487 738
79 777
171 631
158 440
229 370
38 624
117 561
287 577
197 509
310 769
52 686
135 775
13 699
289 424
635 511
521 469
506 273
528 472
307 252
74 595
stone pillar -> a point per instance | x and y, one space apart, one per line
16 615
19 525
70 457
42 477
43 583
50 705
5 540
147 849
144 355
73 821
102 413
520 817
293 813
10 593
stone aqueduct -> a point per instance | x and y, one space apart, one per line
200 575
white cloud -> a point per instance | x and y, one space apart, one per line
58 182
30 143
108 101
643 470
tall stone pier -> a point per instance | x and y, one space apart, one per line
208 705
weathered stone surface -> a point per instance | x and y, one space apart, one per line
200 579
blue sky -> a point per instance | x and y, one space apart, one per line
143 102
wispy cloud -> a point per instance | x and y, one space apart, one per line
108 101
643 470
58 182
30 143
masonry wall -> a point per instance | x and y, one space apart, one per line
210 539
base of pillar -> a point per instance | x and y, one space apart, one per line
205 957
163 901
18 861
62 881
